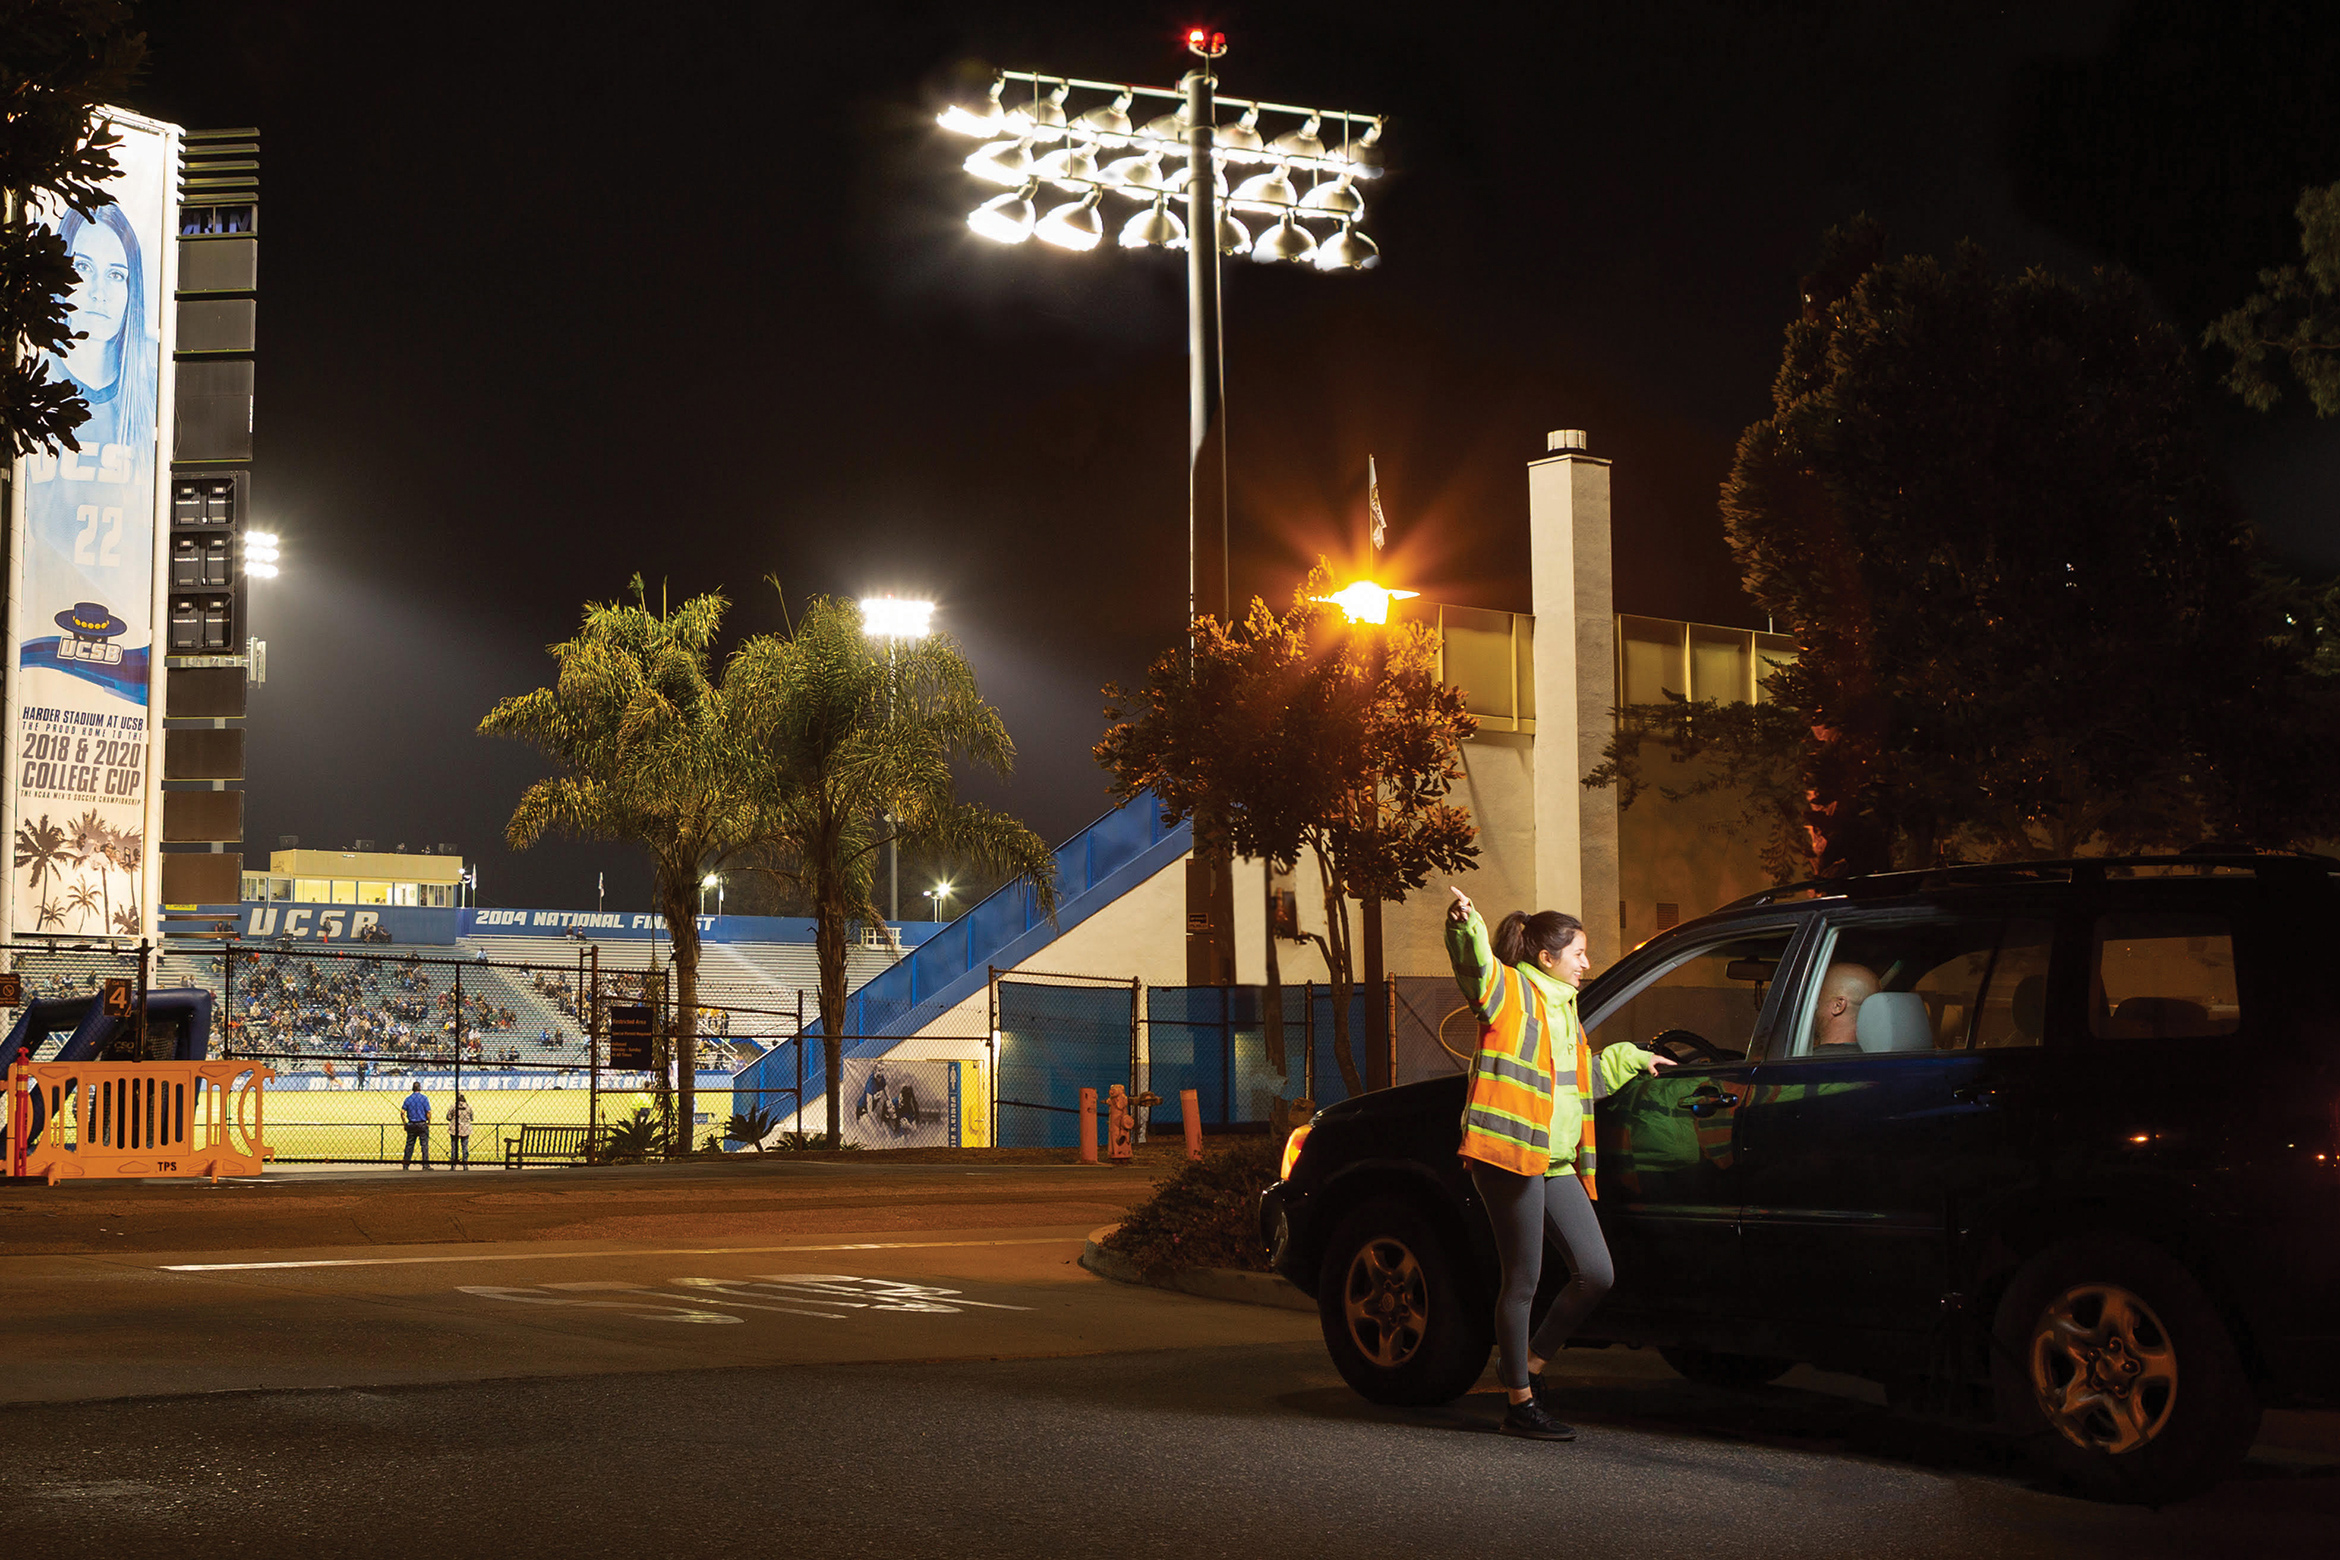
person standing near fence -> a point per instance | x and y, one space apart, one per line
458 1135
418 1127
1526 1133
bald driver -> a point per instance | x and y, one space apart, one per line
1842 991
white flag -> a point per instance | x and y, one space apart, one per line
1380 522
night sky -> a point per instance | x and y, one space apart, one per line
551 295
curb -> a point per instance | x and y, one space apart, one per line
1270 1289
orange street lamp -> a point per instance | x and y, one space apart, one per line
1366 602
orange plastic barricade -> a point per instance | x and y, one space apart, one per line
96 1120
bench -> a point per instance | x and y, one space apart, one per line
545 1145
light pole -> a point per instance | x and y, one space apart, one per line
713 880
939 893
1331 148
894 619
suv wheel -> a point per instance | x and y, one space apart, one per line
1736 1371
1395 1318
2111 1362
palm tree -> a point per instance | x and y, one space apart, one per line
846 735
50 911
81 901
644 748
93 842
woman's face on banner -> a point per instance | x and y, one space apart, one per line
102 294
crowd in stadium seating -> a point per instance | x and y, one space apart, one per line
364 1007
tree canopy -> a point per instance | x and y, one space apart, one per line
2293 321
59 60
850 743
2028 622
649 755
1294 734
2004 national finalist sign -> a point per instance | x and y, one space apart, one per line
82 639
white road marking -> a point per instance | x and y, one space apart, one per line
553 1256
877 1294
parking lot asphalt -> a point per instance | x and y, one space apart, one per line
888 1360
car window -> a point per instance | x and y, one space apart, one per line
1713 990
2163 976
1904 987
2014 1004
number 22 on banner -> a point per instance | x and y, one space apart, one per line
109 553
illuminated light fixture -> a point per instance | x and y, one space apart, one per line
709 881
1002 162
1070 168
985 120
1354 151
1138 176
1042 118
1234 237
1073 225
1269 193
1109 124
1334 197
1169 128
1348 250
1005 219
1158 228
1287 240
260 554
1366 602
893 617
1240 142
1302 142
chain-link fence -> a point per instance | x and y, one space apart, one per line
1241 1054
353 1033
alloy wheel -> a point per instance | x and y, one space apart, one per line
1386 1299
2103 1368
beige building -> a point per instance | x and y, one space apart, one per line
357 877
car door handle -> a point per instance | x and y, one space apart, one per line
1705 1101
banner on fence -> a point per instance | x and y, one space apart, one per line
903 1104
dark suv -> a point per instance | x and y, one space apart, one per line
2053 1146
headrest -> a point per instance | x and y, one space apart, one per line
2030 1006
1895 1021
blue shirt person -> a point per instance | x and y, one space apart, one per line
417 1108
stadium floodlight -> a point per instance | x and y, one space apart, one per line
1073 225
1155 229
1005 219
984 119
1348 249
260 556
893 617
1287 240
1308 160
1002 162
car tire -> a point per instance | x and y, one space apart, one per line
1396 1315
2112 1366
1738 1372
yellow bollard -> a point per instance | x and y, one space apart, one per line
1190 1111
1088 1126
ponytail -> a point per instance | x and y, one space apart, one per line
1522 936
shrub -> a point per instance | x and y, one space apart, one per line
1206 1215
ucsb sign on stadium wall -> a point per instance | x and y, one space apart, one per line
433 925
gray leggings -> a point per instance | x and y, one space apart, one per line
1526 1211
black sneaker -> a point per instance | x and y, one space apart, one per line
1528 1419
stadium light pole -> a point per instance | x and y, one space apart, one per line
893 619
1333 165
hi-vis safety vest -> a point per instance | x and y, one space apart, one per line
1508 1112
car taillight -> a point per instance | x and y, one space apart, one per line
1292 1146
